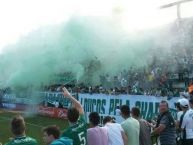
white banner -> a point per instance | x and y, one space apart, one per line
106 104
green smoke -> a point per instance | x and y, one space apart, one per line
86 46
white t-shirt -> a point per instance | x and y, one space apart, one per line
179 114
187 123
56 103
114 133
118 116
118 111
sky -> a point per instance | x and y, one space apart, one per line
19 17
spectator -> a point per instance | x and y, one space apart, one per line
190 88
118 111
178 123
130 126
116 134
51 136
96 135
191 103
78 127
165 126
184 104
145 131
187 122
179 112
118 117
18 130
56 103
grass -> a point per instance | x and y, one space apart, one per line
34 124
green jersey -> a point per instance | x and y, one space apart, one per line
22 141
77 132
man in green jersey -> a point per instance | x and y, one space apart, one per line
18 130
78 127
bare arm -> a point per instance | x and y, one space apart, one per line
75 103
177 124
125 138
184 123
159 129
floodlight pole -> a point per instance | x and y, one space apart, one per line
178 8
178 5
178 12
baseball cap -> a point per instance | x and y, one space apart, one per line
184 102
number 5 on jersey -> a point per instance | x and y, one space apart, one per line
82 138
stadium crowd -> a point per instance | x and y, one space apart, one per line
156 79
132 131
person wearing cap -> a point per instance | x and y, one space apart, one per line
186 123
179 114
